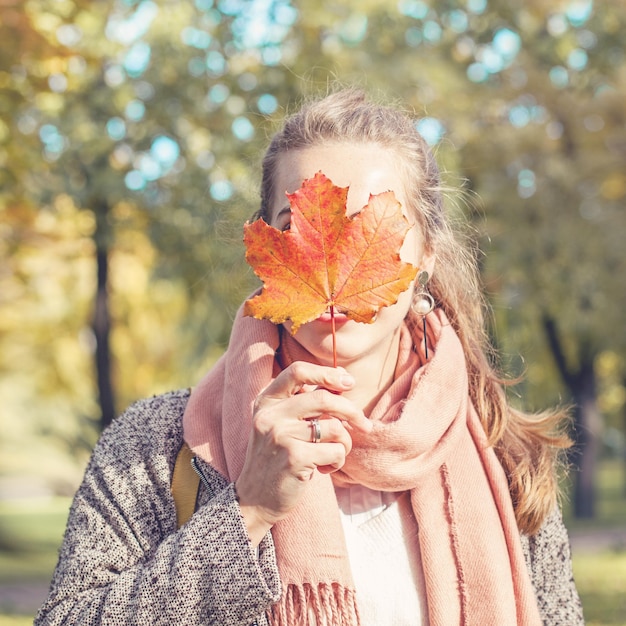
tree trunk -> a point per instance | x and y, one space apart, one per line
581 384
624 446
101 328
587 424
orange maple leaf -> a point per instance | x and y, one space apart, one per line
326 260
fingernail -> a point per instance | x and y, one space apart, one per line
347 380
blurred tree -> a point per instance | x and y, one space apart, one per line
554 184
129 120
40 262
151 117
525 100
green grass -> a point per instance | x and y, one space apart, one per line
31 532
601 581
16 620
30 535
601 577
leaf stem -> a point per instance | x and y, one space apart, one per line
332 328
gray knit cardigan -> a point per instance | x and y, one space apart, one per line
123 562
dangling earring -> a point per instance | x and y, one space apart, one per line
423 303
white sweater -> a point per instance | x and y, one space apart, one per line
382 540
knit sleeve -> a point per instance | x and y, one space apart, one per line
549 559
124 563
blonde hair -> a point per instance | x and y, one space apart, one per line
526 444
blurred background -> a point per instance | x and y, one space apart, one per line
131 133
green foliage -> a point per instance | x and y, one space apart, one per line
611 511
139 126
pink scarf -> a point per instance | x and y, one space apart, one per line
427 440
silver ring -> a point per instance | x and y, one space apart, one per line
316 430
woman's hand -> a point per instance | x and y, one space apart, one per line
281 456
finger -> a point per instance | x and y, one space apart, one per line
300 374
330 430
324 404
316 430
331 456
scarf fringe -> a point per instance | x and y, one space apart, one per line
327 604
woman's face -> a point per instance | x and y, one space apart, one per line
366 169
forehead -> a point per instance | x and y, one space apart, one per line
366 168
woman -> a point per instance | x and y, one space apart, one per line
397 488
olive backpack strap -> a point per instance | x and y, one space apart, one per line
184 487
